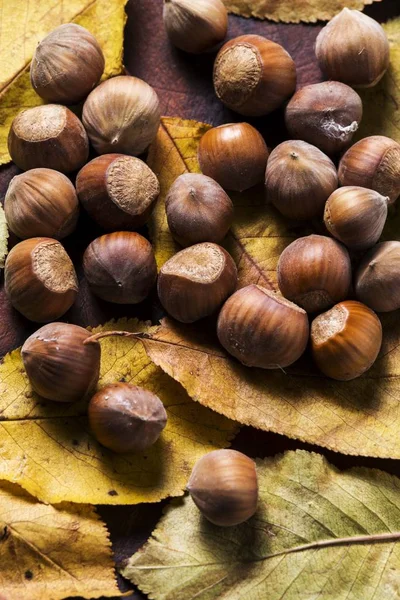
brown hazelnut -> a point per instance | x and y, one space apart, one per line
262 329
66 65
235 155
315 272
40 279
253 76
377 280
198 210
299 179
59 365
346 340
126 418
122 115
48 136
41 202
224 487
196 281
326 115
120 267
117 191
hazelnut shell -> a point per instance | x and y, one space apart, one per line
377 280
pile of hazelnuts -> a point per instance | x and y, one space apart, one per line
259 327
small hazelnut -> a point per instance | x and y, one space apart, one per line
373 162
253 76
356 216
315 272
195 25
377 280
224 487
122 115
198 210
353 48
41 202
196 281
262 329
117 191
40 279
299 179
324 114
59 365
346 340
126 418
120 267
66 65
235 155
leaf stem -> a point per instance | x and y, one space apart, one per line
129 334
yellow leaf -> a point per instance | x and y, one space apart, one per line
3 237
49 553
25 23
48 449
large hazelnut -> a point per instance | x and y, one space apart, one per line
377 280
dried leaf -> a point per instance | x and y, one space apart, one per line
47 447
318 533
103 18
49 552
3 237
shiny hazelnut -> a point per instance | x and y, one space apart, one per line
299 179
356 216
126 418
353 48
41 202
195 25
120 267
59 365
224 487
66 65
262 329
117 191
314 272
198 210
122 115
253 76
346 340
196 281
48 136
326 115
373 162
40 279
235 155
377 280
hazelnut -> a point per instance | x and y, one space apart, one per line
49 136
120 267
122 115
262 329
198 210
195 26
315 272
235 155
224 487
324 114
253 76
41 202
126 418
377 280
196 281
40 279
356 216
66 65
346 340
59 365
299 179
353 48
373 162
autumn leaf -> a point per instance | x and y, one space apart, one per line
47 447
318 533
3 237
49 552
35 20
